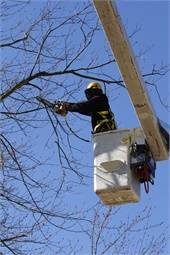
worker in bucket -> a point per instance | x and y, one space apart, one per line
96 106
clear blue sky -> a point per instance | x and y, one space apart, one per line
152 17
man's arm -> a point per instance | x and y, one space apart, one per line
80 107
95 104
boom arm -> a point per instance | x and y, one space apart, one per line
125 58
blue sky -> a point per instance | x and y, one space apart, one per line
152 19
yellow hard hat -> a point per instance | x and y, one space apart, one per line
94 85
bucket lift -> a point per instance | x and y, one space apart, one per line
125 158
122 161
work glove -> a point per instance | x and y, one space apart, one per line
60 108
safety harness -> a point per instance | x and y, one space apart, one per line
109 122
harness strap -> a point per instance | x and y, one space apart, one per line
105 120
